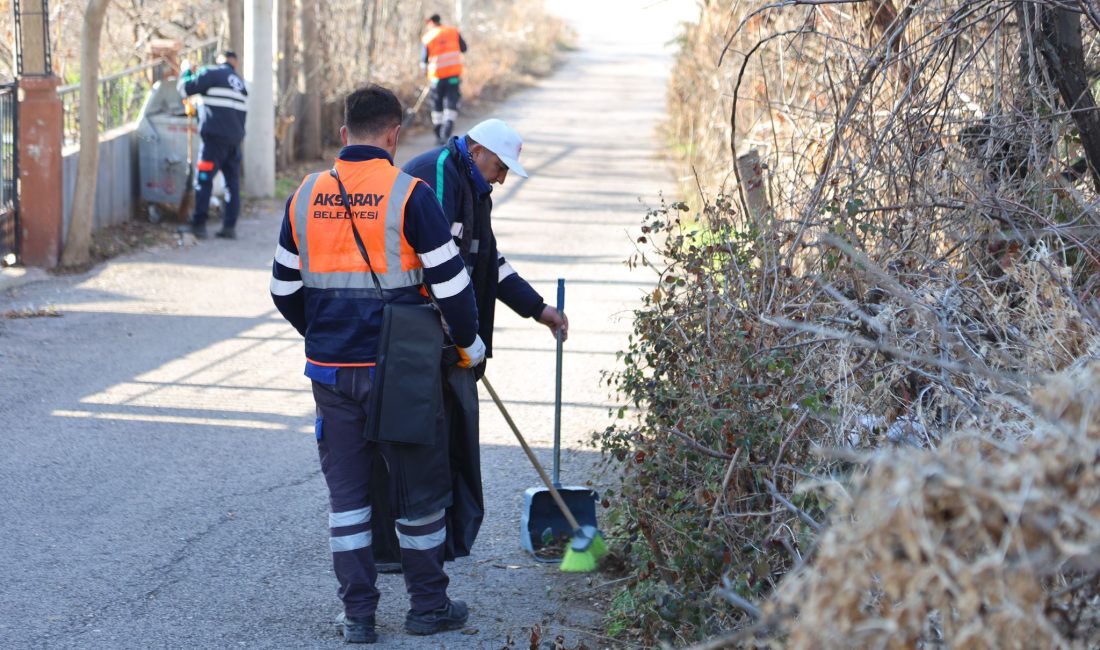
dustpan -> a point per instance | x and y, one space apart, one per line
544 530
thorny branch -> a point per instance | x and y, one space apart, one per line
926 253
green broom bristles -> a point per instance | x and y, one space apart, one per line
599 547
581 555
578 561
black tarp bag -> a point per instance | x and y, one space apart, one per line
462 479
406 400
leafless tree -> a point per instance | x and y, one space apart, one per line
309 131
77 248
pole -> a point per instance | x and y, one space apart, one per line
557 389
259 141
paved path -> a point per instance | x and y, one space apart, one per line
159 477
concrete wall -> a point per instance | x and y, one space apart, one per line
116 196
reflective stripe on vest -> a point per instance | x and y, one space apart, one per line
445 57
393 277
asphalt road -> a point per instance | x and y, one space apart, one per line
159 477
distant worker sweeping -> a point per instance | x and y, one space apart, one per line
441 55
222 110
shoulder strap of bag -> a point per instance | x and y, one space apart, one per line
359 239
355 231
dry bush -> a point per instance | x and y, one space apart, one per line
715 387
989 541
517 42
128 29
506 38
508 41
361 40
917 245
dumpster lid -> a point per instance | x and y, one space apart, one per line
163 99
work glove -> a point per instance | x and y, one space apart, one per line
472 356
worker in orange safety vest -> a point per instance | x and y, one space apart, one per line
441 57
354 239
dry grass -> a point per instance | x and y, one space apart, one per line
509 41
517 45
989 541
31 312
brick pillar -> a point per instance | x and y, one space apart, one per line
40 201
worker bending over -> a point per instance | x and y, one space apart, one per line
222 108
462 174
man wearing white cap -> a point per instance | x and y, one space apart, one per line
462 173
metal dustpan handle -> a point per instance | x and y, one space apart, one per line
531 455
557 389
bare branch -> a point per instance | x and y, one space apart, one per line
795 510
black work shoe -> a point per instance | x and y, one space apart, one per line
226 233
451 616
199 232
357 629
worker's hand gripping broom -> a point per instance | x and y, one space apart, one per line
587 545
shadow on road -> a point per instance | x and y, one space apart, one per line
166 473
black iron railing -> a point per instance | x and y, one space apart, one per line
120 98
32 37
9 175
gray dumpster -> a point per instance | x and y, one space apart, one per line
162 152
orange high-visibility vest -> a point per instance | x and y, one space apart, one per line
328 255
444 52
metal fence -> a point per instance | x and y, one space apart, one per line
9 175
121 95
202 54
120 98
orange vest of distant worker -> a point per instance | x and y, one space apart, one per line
328 255
444 52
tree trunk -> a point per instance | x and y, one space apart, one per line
287 54
324 16
235 10
286 114
373 42
1065 58
310 130
78 242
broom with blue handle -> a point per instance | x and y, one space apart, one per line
587 545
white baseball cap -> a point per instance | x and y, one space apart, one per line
501 139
